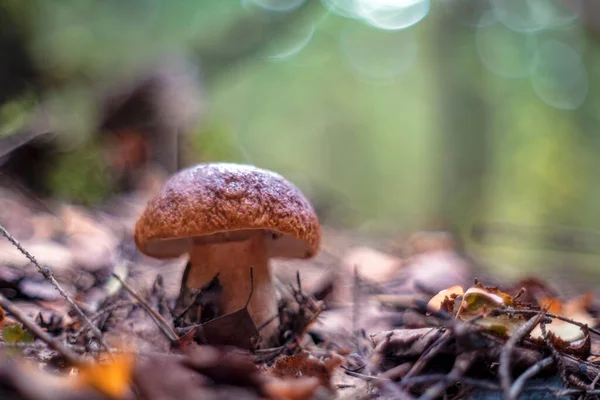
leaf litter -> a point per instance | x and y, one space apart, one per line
356 322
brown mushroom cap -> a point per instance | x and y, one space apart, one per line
220 202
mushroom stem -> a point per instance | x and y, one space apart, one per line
232 261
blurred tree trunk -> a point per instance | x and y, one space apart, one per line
463 151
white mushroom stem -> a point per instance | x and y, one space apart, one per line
232 261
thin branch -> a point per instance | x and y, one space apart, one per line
49 275
38 332
594 382
555 353
160 321
461 365
505 355
530 372
534 312
428 354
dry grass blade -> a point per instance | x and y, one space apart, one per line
48 274
160 321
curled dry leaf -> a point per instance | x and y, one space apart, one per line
479 301
575 309
444 298
579 348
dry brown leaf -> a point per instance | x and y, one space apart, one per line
575 309
305 365
435 304
292 389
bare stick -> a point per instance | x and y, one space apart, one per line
38 332
49 275
461 366
505 355
555 353
595 382
530 372
533 312
428 354
160 321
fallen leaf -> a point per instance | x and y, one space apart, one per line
305 365
16 334
479 301
292 389
438 301
111 379
198 306
234 329
574 309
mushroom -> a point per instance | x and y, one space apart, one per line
230 217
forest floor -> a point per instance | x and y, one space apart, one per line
91 318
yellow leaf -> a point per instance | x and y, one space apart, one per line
111 379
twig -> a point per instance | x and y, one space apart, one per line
533 312
355 308
461 366
555 353
116 305
536 368
37 331
160 321
49 275
594 382
428 354
505 355
588 369
364 377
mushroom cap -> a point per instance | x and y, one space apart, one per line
219 202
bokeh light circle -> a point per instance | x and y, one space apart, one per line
505 52
278 5
376 54
559 76
393 14
532 15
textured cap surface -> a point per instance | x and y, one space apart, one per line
210 199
